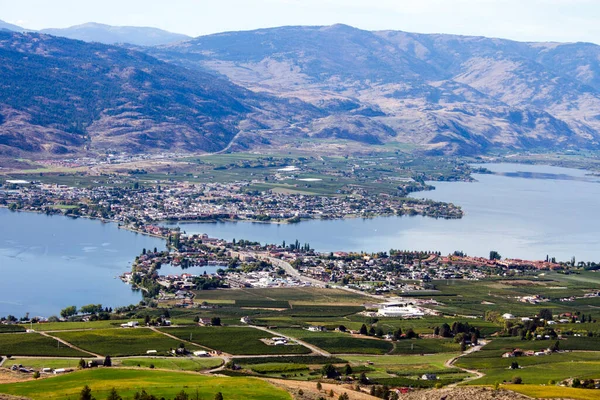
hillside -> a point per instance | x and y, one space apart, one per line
107 34
61 96
451 93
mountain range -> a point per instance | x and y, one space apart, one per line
290 86
108 34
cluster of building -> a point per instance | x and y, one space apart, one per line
382 273
208 201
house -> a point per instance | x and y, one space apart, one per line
314 328
201 353
429 377
130 324
245 320
508 316
204 322
151 352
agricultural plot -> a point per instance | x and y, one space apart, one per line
234 340
121 342
501 294
66 326
34 344
425 346
341 343
296 296
158 383
558 392
173 363
11 328
534 369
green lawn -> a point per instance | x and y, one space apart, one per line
159 383
234 340
120 342
34 344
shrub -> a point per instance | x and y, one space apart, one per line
517 380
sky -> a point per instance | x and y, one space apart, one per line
523 20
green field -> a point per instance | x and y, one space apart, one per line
121 342
34 344
500 294
295 296
534 369
158 383
64 326
340 343
234 340
425 346
172 363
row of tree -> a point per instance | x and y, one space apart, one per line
86 394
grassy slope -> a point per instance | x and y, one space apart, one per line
159 383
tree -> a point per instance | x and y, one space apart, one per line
494 255
517 380
319 386
347 370
545 314
363 330
86 393
182 396
215 321
113 395
36 374
82 363
219 396
68 311
107 361
344 396
514 365
329 371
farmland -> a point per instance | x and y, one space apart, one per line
227 339
120 342
34 344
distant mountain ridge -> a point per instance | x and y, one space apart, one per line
452 93
107 34
11 27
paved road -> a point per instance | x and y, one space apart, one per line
478 374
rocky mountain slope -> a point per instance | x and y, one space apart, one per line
60 96
297 86
107 34
451 93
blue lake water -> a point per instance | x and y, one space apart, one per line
553 211
50 262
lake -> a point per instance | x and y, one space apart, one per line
521 211
50 262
